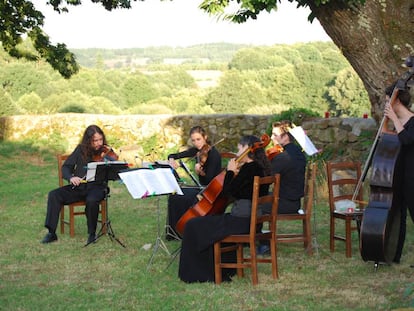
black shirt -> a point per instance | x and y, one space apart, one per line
291 165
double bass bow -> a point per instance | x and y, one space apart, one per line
381 219
210 201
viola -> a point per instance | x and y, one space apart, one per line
381 219
274 151
105 151
210 201
202 156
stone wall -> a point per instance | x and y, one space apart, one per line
154 135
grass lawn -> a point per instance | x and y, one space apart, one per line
105 276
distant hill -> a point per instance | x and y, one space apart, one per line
139 57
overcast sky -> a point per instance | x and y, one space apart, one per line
173 23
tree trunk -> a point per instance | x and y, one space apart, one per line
375 38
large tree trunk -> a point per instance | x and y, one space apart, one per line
375 38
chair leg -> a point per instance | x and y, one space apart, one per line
348 237
332 234
253 263
273 254
62 219
71 221
217 261
308 237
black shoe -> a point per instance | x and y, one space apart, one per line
49 238
91 238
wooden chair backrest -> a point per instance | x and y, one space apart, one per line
61 159
343 178
273 198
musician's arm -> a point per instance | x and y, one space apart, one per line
191 152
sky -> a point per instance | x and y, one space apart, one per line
177 23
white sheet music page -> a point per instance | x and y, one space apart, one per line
142 183
303 140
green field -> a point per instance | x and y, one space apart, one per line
105 276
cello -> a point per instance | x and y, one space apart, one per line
210 201
381 219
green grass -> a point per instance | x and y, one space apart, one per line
105 276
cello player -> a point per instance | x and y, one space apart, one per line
206 170
200 233
403 119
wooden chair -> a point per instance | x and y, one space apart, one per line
305 235
73 206
239 241
343 178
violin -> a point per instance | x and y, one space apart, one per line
202 156
105 152
274 151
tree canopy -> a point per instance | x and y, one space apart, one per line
374 36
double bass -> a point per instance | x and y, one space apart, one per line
210 201
380 225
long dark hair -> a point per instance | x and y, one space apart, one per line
86 142
259 155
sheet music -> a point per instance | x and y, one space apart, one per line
146 182
91 168
303 140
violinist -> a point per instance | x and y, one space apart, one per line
403 119
290 163
200 233
207 166
93 147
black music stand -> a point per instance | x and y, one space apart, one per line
105 172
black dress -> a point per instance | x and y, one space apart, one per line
406 193
179 204
200 233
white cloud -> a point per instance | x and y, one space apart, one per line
173 23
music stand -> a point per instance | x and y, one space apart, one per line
106 171
149 182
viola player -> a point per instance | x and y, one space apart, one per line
207 166
93 147
291 165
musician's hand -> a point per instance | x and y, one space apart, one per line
173 163
390 113
75 180
232 165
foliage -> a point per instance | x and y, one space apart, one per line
250 9
18 18
287 76
347 95
296 115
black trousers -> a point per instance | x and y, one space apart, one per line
91 193
177 206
